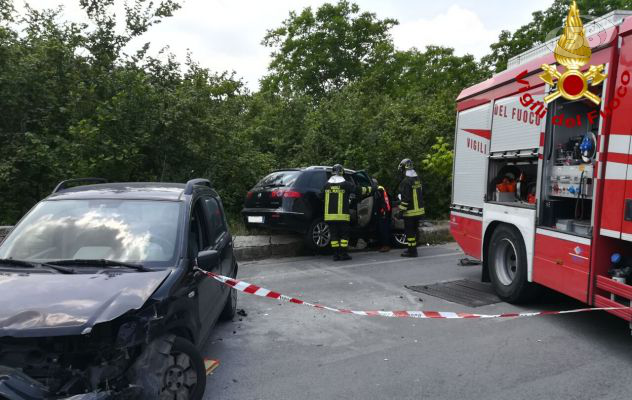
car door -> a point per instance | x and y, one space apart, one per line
209 291
365 205
220 237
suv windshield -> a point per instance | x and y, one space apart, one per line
136 231
279 179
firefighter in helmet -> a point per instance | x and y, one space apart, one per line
411 206
337 195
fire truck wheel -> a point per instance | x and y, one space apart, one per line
508 265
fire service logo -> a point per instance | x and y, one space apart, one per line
573 52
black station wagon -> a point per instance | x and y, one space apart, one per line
289 200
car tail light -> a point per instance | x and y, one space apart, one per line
249 195
290 194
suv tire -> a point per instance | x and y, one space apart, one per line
318 236
166 367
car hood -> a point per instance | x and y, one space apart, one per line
53 305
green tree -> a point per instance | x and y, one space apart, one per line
75 105
315 53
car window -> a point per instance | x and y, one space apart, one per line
279 179
216 223
361 179
198 230
317 180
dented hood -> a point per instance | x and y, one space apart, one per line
55 304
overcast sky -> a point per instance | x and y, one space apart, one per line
226 34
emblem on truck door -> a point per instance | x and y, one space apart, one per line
573 52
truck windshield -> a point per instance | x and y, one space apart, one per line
136 231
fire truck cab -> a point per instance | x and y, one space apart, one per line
542 193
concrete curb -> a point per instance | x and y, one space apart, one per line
435 233
249 248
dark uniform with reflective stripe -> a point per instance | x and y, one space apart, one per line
412 207
337 199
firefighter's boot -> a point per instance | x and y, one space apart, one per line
335 247
344 255
411 252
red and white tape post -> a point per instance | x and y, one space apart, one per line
249 288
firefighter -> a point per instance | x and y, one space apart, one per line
411 206
337 195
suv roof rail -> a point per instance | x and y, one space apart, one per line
328 168
194 182
66 184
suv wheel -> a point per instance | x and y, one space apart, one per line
170 367
185 375
318 235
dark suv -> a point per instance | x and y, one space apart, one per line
100 297
290 200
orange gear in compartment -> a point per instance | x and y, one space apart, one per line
507 186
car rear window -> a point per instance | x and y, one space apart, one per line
317 180
279 179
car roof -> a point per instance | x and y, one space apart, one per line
123 190
315 168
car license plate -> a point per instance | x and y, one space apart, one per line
255 220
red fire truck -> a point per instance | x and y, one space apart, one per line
542 193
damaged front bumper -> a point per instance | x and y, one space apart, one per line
93 366
15 385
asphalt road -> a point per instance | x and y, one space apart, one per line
286 351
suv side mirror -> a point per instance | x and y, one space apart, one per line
208 258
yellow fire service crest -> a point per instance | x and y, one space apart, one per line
573 52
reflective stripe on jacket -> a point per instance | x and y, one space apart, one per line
412 199
337 199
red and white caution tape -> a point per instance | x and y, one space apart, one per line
262 292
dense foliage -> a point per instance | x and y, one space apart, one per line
73 103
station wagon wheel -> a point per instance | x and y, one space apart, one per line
318 235
321 235
399 239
